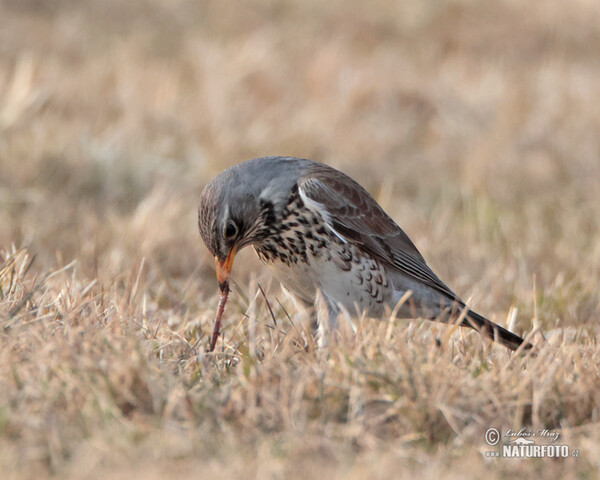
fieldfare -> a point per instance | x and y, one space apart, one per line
321 233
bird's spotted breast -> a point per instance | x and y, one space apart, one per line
284 238
304 254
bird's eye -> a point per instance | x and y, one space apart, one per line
230 230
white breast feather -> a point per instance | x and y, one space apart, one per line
320 208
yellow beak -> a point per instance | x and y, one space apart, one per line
224 268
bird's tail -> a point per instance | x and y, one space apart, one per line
494 331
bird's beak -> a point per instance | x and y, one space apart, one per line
224 268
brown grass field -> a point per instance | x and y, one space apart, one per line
475 124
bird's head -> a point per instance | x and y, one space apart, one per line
239 207
226 219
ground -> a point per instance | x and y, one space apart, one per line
474 124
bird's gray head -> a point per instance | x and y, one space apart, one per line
238 207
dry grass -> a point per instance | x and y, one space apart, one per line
474 124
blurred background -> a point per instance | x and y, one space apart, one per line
475 124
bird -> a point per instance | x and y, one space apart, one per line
324 236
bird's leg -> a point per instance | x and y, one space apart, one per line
325 317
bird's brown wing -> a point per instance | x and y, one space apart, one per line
355 215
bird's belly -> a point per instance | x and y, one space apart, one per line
359 286
297 278
356 283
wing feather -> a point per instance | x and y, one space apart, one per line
355 215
